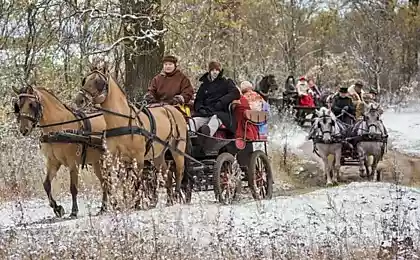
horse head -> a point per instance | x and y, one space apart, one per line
325 124
267 85
27 108
371 115
95 86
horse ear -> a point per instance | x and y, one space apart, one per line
30 89
15 89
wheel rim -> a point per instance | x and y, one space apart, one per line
260 181
227 183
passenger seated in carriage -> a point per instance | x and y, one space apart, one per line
211 104
356 93
290 86
342 106
316 92
256 102
305 93
170 86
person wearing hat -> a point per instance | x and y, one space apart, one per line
170 85
356 93
342 106
211 104
304 93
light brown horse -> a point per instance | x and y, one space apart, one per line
40 106
122 117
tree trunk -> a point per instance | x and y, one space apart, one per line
142 58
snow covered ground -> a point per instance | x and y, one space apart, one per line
334 221
358 215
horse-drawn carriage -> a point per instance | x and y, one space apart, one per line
144 135
350 144
225 162
301 114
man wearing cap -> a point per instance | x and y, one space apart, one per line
356 93
342 105
171 85
211 104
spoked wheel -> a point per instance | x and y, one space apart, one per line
260 177
226 185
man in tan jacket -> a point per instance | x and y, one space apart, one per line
171 85
356 93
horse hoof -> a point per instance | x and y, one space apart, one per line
59 211
330 184
73 215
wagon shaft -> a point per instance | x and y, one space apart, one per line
63 137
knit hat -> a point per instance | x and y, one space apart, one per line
302 78
214 65
246 85
170 58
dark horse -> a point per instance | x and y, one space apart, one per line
266 88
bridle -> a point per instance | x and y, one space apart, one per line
100 95
38 109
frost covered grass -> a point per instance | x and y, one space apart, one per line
355 221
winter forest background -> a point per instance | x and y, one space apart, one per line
50 42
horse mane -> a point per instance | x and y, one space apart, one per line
56 98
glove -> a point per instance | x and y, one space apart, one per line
202 111
218 106
178 99
149 98
346 108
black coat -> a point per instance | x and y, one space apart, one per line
214 98
339 103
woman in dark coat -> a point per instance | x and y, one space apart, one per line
212 101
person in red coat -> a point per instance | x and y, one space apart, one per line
251 130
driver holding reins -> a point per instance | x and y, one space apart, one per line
342 106
170 86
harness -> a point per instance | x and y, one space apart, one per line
174 134
83 136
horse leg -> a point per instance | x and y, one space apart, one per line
139 176
179 174
337 166
166 170
74 182
327 169
52 169
375 173
104 186
361 155
368 166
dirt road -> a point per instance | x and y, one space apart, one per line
303 173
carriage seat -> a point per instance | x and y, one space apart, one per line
257 118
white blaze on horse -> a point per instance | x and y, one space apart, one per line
371 138
327 135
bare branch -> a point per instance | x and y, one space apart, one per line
149 34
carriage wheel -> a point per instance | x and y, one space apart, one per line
260 176
226 184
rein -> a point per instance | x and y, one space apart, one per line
130 129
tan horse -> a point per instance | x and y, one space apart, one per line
122 117
39 106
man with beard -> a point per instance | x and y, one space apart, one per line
212 101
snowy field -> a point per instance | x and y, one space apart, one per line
340 219
334 223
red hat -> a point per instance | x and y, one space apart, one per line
302 78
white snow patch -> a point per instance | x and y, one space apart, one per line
350 214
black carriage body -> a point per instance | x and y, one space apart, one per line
208 155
